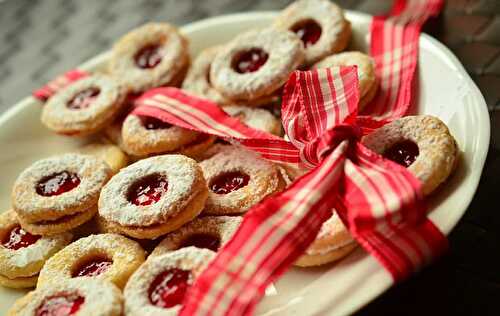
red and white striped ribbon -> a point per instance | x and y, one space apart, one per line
62 81
378 200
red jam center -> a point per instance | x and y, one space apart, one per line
229 182
206 241
169 288
60 305
153 123
148 190
404 153
19 238
58 183
148 57
83 99
308 31
93 267
250 61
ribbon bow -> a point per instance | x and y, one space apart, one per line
378 200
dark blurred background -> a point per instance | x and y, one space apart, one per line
40 39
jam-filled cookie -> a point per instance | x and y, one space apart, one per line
368 84
114 157
237 180
153 55
84 107
153 196
158 287
320 24
145 135
421 143
210 232
256 63
256 118
71 297
198 81
22 254
59 193
109 257
332 243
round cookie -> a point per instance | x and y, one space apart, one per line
256 63
84 107
209 232
61 189
256 118
237 180
368 84
159 285
153 196
153 55
143 135
22 254
71 297
320 24
198 81
422 143
109 257
332 243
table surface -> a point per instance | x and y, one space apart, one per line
40 39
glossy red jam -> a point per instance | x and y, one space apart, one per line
249 61
308 31
229 182
60 305
148 57
83 99
153 123
19 238
148 190
207 241
58 183
403 153
168 289
92 267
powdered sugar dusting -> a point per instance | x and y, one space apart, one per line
93 174
437 147
257 118
264 179
136 292
183 176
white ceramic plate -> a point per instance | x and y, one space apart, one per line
443 89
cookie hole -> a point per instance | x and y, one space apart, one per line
148 190
148 57
202 240
403 153
249 61
309 31
57 183
83 99
92 266
152 123
63 304
228 182
18 238
169 288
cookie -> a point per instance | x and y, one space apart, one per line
84 107
153 196
153 55
256 63
256 118
421 143
320 24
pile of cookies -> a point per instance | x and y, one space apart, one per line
124 226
